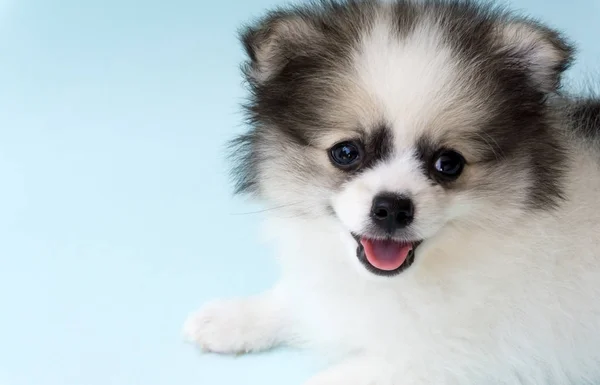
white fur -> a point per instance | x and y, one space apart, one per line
511 302
427 325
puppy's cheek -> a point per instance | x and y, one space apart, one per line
349 245
431 214
352 205
467 205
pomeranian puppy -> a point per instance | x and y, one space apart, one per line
437 197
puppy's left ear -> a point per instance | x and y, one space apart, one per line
542 52
275 40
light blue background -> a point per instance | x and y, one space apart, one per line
116 218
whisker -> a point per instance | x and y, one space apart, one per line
492 143
265 210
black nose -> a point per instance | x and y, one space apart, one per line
392 212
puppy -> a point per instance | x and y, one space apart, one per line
435 195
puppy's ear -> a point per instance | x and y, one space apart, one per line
540 51
275 40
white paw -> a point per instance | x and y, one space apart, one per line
229 327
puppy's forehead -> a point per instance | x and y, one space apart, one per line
407 77
413 83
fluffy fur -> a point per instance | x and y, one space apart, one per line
504 286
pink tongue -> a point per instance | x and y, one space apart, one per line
386 255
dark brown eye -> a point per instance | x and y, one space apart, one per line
346 155
448 164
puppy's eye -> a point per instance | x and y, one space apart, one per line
346 155
448 164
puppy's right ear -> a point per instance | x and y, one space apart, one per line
275 40
542 52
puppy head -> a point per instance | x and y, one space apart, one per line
401 119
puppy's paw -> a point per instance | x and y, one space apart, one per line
232 327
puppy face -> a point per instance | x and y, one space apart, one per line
400 119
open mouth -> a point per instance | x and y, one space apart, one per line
385 257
